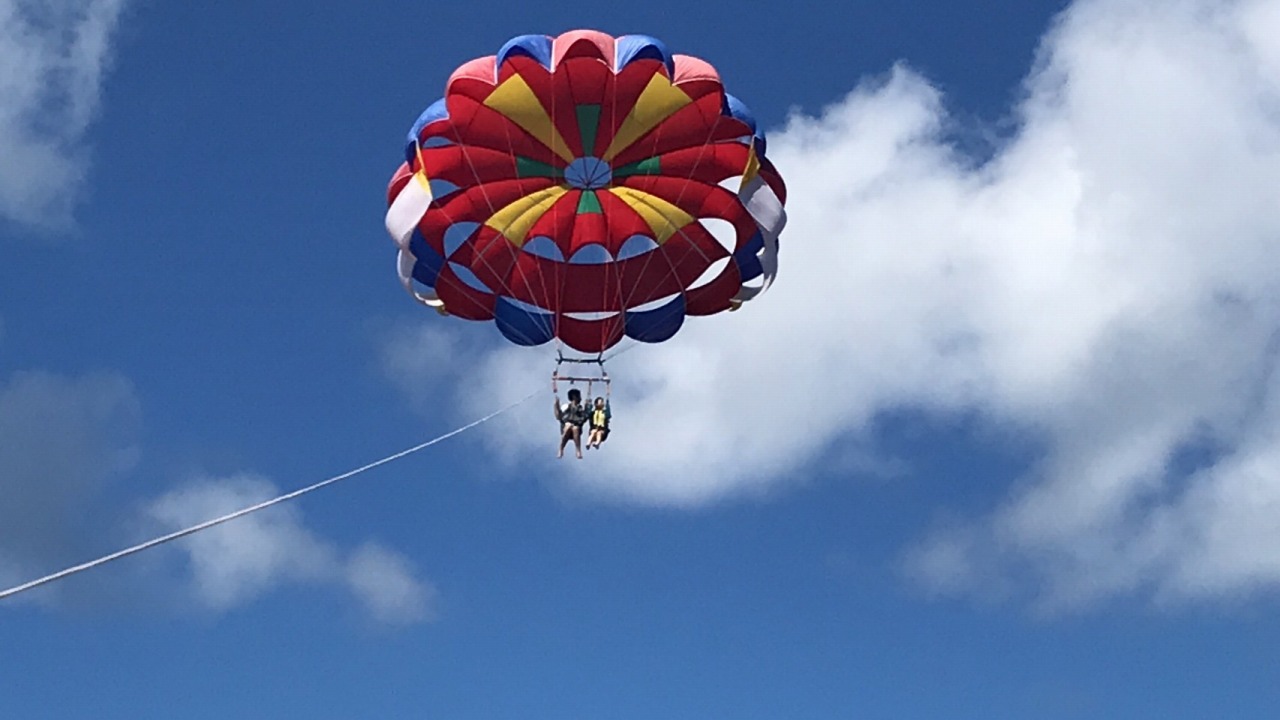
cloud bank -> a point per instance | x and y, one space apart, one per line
1104 283
53 57
66 446
234 564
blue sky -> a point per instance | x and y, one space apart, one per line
1000 443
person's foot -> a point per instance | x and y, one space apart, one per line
560 454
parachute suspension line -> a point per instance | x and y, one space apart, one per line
484 191
602 376
691 245
550 287
506 287
610 273
456 139
621 351
625 299
670 311
254 508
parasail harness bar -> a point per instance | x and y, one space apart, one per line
601 376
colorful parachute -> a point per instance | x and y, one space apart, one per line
585 188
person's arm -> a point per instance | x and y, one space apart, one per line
559 416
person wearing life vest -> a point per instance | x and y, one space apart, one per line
572 416
600 415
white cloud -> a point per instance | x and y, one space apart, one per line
386 584
235 563
53 56
1105 283
61 441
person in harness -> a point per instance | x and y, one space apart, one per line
572 416
600 415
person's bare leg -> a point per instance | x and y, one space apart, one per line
577 440
564 440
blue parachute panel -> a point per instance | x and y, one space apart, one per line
523 326
657 324
537 47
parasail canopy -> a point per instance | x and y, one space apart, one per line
585 188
